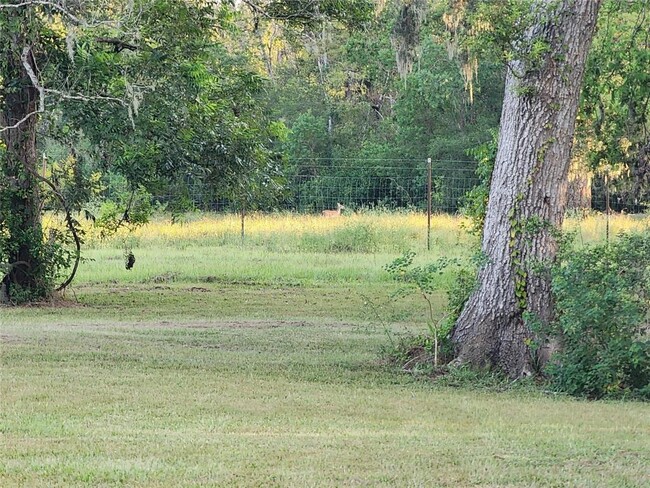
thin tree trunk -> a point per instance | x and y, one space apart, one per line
22 222
528 194
579 192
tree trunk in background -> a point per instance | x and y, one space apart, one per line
579 189
528 194
21 202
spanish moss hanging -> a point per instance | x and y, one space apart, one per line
405 37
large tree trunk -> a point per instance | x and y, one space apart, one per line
25 277
528 193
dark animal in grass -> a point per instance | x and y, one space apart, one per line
130 261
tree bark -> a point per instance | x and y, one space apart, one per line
528 193
26 272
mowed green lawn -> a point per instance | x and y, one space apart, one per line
212 364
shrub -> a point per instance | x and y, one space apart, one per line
602 303
424 280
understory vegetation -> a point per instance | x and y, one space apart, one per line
603 305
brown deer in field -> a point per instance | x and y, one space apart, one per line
334 213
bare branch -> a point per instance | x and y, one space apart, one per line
44 3
24 57
20 122
84 98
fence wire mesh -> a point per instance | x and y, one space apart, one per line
318 184
311 185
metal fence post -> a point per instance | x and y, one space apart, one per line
243 219
429 204
607 209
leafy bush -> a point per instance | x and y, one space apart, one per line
424 280
603 302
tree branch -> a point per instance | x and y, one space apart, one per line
25 58
84 98
20 122
70 223
118 44
44 3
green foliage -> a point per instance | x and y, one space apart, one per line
603 303
308 137
459 291
32 280
129 209
614 117
308 12
502 30
194 117
29 264
347 107
433 111
476 199
165 98
424 280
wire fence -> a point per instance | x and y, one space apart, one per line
384 184
612 197
312 185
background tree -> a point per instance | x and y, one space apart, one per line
352 114
148 83
613 122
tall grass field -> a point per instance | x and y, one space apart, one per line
259 361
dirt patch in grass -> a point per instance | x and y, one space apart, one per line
56 301
231 324
198 289
221 324
11 339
